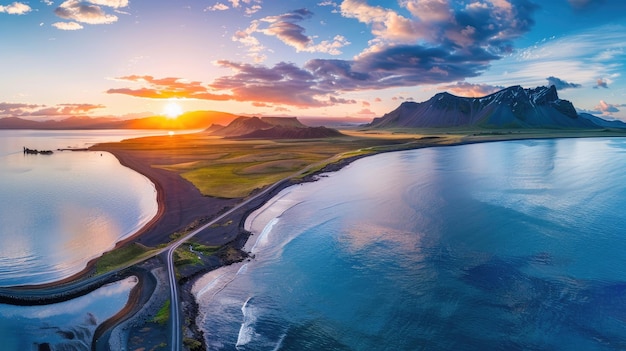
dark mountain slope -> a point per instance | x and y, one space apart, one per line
513 107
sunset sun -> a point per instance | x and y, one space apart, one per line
172 110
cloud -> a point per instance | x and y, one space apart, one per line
491 25
48 2
398 66
16 109
560 84
581 57
285 27
20 109
89 12
167 88
251 6
110 3
471 90
606 108
252 10
285 83
67 25
282 84
16 8
65 110
601 83
438 43
217 7
320 80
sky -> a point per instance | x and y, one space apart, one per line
319 58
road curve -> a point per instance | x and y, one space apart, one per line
176 338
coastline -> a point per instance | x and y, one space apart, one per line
180 203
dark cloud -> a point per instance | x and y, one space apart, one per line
490 27
601 83
315 84
285 28
285 83
441 44
560 84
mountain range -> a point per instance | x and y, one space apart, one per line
513 107
188 121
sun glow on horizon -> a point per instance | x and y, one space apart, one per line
172 110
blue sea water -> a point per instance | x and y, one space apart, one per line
499 246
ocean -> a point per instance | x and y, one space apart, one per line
514 245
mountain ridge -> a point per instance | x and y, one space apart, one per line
512 107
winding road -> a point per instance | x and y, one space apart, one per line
175 320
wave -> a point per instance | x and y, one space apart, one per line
279 344
243 269
247 331
215 281
263 237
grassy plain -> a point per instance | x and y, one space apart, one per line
121 256
230 168
227 168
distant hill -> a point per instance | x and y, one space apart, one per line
513 107
271 128
189 120
242 125
603 122
287 132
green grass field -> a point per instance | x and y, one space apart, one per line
118 257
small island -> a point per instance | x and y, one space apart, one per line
28 151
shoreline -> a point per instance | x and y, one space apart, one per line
180 203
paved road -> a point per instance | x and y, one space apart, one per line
176 341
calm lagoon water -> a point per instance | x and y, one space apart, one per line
499 246
67 325
59 211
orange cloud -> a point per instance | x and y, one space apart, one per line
471 90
